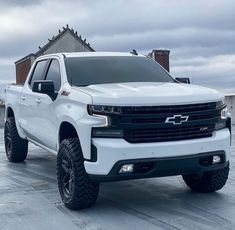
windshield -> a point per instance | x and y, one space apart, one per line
83 71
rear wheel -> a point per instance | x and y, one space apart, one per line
76 189
16 148
209 182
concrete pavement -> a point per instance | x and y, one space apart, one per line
29 200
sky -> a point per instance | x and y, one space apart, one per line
200 34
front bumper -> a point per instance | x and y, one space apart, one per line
111 151
160 167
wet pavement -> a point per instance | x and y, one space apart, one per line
29 199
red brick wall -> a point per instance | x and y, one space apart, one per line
162 57
22 70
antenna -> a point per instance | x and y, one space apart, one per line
134 52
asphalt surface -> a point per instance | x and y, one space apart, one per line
29 199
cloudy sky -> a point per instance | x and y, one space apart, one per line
199 33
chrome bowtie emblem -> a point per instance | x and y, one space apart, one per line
177 119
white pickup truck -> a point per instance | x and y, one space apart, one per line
117 116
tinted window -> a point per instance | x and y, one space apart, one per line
53 74
38 73
102 70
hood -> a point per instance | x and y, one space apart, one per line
149 93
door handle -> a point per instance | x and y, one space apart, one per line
38 100
23 98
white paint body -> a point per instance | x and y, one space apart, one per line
38 118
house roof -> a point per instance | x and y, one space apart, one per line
54 39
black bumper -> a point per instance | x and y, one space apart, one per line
160 167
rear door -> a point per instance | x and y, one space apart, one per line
29 115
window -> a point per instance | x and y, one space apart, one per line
84 71
38 73
53 74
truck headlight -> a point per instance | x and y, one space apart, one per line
224 113
220 104
103 109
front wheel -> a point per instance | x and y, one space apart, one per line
76 189
209 182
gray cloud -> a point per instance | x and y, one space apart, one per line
19 2
200 34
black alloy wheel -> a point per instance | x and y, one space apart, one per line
67 176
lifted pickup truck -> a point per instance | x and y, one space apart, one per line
117 116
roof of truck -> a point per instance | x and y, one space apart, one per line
100 54
91 54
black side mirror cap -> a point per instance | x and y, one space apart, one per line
185 80
45 87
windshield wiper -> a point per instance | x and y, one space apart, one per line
82 85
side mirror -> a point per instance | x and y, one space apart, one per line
45 87
185 80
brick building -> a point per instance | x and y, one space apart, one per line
162 57
67 40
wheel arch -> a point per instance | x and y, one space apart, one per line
69 128
9 112
66 130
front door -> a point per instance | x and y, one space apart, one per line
47 116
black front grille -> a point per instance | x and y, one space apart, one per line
148 124
142 124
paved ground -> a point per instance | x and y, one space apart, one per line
29 199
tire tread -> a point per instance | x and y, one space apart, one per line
19 149
85 191
210 181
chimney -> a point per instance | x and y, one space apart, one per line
162 57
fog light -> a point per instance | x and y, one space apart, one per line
216 159
96 132
128 168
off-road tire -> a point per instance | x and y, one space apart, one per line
209 182
80 192
16 148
